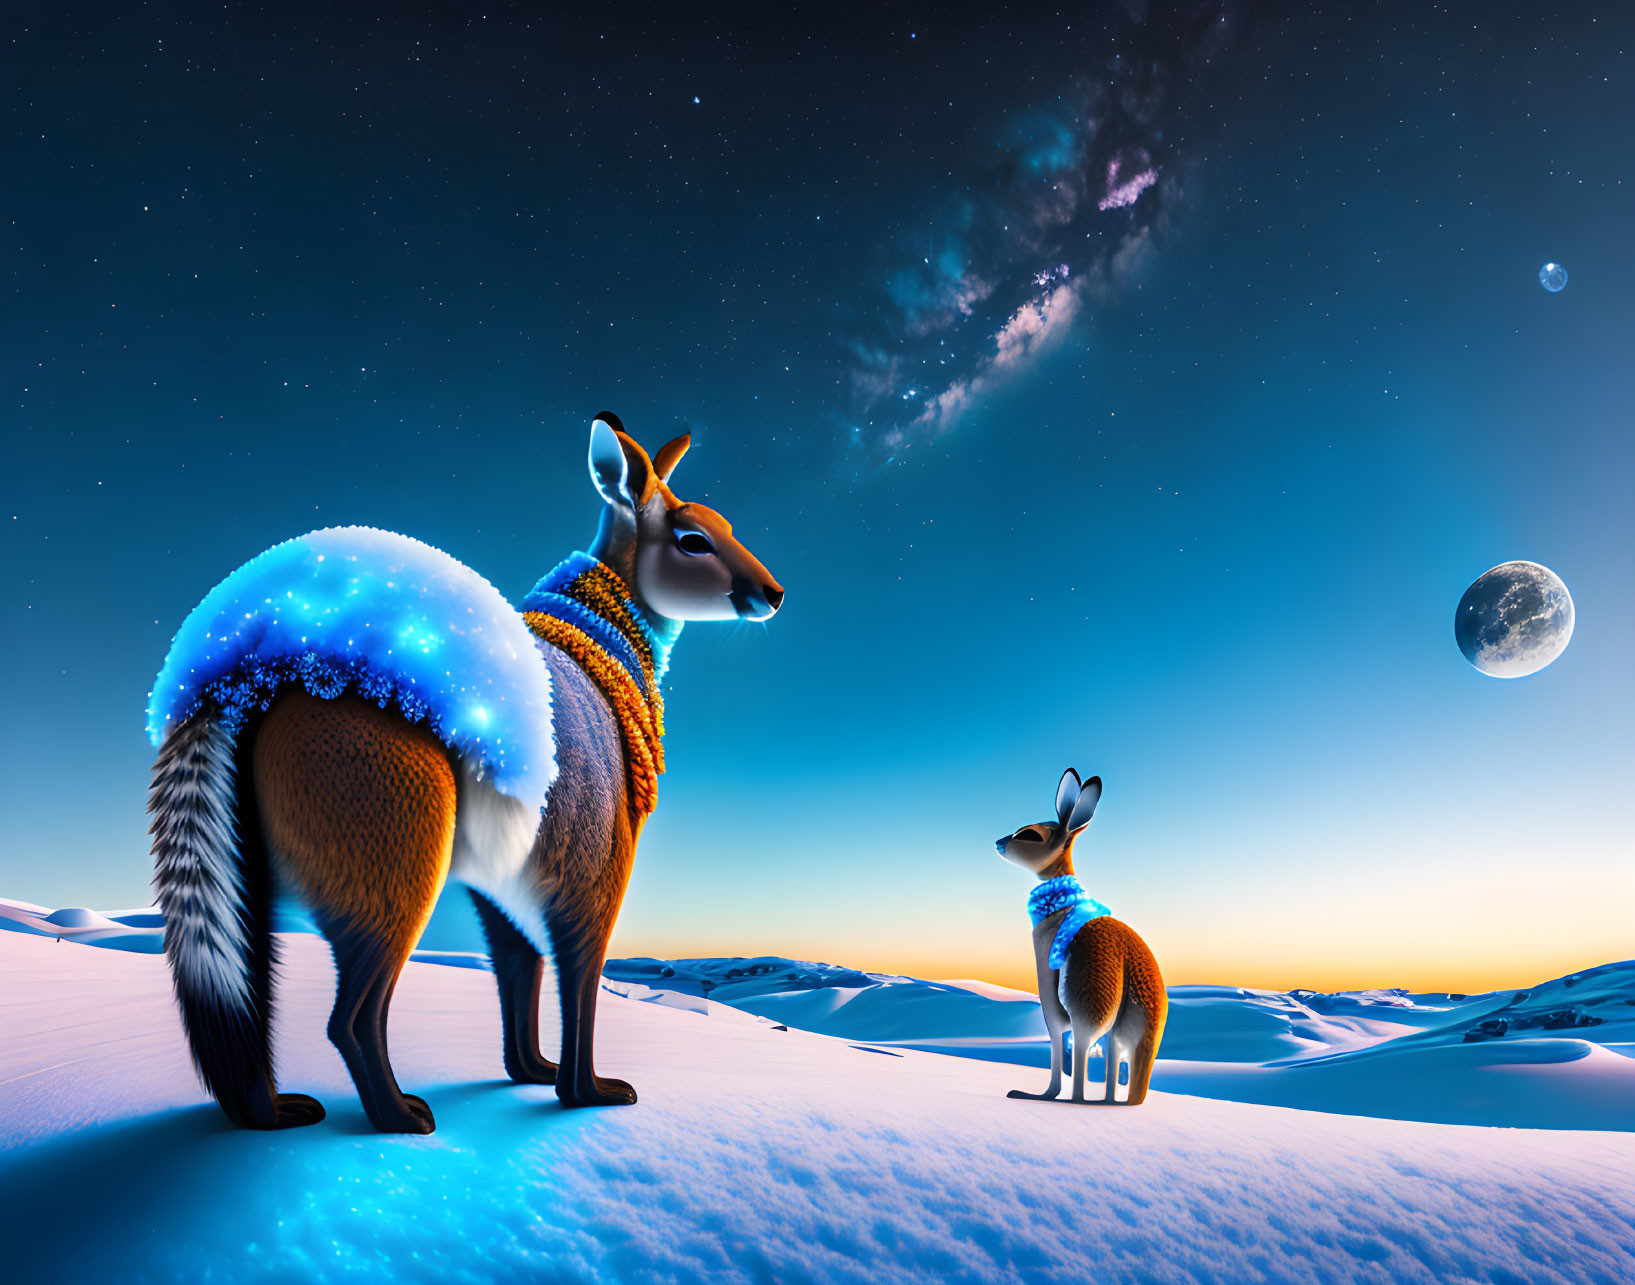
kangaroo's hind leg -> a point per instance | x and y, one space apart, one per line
520 971
1081 1055
1129 1037
1093 990
1113 1048
365 977
358 807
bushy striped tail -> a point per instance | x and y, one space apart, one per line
215 903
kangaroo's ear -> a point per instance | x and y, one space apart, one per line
664 463
1085 808
1066 794
618 466
608 468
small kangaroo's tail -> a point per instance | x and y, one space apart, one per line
1146 985
213 890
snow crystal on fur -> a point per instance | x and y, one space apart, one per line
399 622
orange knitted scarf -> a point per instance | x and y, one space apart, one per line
640 714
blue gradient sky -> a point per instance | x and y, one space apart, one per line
1203 536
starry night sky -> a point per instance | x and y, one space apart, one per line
1136 387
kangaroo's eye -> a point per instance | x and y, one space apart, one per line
1030 834
694 542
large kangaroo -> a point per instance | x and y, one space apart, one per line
1096 976
334 776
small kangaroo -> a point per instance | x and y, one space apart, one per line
309 777
1096 976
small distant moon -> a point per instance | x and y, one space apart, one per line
1514 620
1553 277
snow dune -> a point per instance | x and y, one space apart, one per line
142 931
754 1154
1560 1055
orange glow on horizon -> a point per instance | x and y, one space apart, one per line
1409 926
1433 971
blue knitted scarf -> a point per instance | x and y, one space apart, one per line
553 595
1055 895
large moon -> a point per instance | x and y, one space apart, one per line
1514 620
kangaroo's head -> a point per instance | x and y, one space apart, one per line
679 560
1046 847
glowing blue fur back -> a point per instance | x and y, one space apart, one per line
395 620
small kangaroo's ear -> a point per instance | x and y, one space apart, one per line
1066 794
618 466
1085 808
664 463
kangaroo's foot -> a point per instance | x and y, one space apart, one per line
579 977
603 1091
525 1070
296 1109
408 1114
274 1111
1046 1096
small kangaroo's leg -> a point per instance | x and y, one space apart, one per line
519 971
1057 1024
1081 1055
1115 1052
1058 1042
579 978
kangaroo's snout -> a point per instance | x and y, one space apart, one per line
755 601
1000 844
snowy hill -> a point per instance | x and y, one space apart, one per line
754 1154
874 1008
1206 1023
136 930
1559 1055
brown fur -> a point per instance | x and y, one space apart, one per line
1108 968
357 807
354 809
357 810
1108 989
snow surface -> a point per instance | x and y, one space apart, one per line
1559 1055
387 616
754 1154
